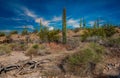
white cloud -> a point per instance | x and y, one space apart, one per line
28 12
51 28
55 18
91 23
73 23
44 22
28 26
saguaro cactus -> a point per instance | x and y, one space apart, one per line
64 28
84 23
40 25
80 23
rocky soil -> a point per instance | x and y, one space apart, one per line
17 65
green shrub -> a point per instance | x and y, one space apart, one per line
112 42
4 49
83 62
35 46
72 43
109 31
2 34
24 32
105 31
14 32
42 46
32 51
49 36
76 30
53 36
18 47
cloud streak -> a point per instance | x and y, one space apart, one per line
28 27
73 22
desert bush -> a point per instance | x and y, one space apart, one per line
109 31
24 32
43 34
49 36
53 36
72 43
14 32
18 47
42 46
4 49
84 36
113 46
83 62
105 31
35 46
32 51
76 30
2 34
112 42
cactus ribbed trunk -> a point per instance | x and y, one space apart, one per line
40 25
64 29
84 24
80 23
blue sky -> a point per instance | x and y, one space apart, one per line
16 14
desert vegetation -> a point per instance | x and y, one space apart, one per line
86 52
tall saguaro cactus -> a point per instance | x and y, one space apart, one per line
95 25
98 20
81 23
84 23
40 25
64 28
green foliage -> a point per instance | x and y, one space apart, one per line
32 51
14 32
43 34
80 62
2 34
41 25
24 32
53 36
105 31
18 46
84 23
92 53
4 49
113 42
80 23
35 46
109 31
72 43
49 36
64 29
76 30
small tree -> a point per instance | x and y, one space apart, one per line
64 29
